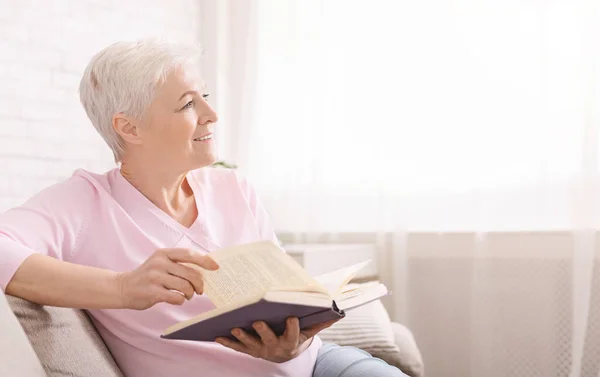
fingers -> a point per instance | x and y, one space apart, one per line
267 335
246 339
233 345
190 274
192 257
268 346
315 329
172 298
178 284
291 335
166 270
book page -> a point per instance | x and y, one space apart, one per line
250 270
350 288
335 281
361 296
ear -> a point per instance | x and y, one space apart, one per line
127 128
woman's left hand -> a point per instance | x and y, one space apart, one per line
271 347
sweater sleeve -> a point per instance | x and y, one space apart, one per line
50 223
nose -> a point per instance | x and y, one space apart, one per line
208 115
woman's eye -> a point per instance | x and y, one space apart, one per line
205 96
188 105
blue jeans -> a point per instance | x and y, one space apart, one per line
336 361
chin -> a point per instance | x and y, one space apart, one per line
205 161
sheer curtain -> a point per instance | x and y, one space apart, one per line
459 135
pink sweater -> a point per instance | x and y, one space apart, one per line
103 221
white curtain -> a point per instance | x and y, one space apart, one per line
461 136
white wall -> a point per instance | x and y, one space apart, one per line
44 47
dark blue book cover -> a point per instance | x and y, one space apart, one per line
273 313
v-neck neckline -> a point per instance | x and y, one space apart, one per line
198 227
168 218
158 226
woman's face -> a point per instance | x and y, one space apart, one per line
176 131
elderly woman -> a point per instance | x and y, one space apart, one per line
115 244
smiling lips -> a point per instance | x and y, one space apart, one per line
204 138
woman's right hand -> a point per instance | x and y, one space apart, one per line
164 278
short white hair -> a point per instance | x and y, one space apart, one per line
123 78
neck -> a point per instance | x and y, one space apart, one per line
166 188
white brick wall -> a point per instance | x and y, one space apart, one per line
44 47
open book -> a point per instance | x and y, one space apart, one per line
260 282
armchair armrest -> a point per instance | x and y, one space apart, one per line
411 360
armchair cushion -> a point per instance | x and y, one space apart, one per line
65 340
369 328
